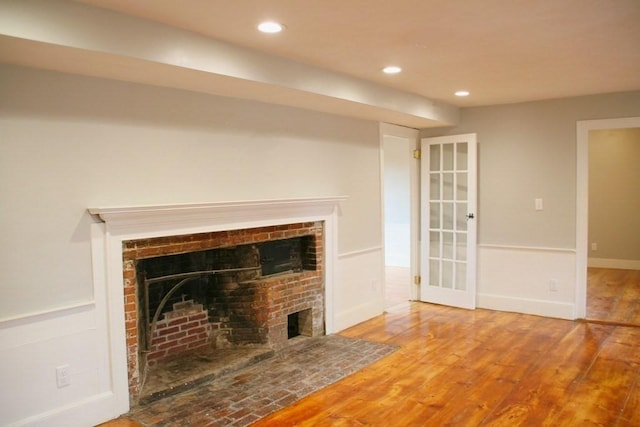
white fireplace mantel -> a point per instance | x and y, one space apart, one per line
191 217
119 224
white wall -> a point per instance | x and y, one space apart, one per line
397 200
68 143
528 151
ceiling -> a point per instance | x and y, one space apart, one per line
502 51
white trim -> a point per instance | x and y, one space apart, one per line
399 131
561 310
88 411
136 222
582 200
526 248
360 252
181 209
41 316
150 218
622 264
358 314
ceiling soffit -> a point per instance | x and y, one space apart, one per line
76 38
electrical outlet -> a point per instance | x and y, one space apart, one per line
63 376
553 285
594 246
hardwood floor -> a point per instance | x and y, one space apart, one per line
481 368
397 285
613 295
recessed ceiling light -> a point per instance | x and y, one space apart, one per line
391 69
462 93
270 27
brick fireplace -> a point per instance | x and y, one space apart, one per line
298 296
254 287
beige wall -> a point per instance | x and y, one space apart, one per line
614 193
68 143
528 151
527 259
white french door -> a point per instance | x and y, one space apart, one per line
448 220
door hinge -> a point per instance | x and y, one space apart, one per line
417 154
416 280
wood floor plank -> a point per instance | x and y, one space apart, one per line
613 295
631 413
623 344
541 393
397 282
508 368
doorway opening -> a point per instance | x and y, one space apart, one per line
400 173
613 285
600 286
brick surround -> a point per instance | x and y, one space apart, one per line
264 302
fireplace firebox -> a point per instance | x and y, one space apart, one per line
219 291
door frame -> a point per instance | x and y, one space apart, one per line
387 129
582 201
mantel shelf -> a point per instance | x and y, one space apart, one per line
182 211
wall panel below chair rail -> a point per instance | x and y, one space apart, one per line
359 293
527 280
54 369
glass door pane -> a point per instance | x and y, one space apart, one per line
448 193
448 235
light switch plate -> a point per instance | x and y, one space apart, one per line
539 206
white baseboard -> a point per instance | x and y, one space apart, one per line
91 411
623 264
358 314
560 310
